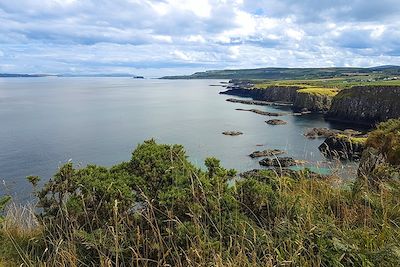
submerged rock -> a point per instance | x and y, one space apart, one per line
265 113
266 153
276 122
278 162
257 102
232 133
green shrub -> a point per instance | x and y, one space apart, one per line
3 202
159 210
386 139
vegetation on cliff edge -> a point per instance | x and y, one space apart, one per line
159 210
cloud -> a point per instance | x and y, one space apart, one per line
179 36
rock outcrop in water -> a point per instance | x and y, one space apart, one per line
260 112
343 147
266 153
278 162
326 132
232 133
276 122
257 102
366 104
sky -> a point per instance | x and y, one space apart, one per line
168 37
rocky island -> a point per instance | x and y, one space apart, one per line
232 133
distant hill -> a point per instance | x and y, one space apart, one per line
98 75
18 75
289 73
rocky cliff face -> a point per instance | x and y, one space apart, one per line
366 104
285 94
312 102
273 94
342 147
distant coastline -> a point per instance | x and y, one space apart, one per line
18 75
24 75
289 73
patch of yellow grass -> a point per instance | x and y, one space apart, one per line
354 140
319 91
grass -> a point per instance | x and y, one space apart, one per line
190 217
334 83
353 139
319 91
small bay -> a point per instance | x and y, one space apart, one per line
45 122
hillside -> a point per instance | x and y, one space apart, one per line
290 73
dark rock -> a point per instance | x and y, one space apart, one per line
342 147
278 162
273 94
326 132
276 122
266 153
232 133
257 102
260 112
307 102
320 132
285 95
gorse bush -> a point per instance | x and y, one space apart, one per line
3 202
386 139
159 210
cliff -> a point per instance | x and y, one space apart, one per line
314 99
343 147
366 104
273 94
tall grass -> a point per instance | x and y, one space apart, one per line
177 215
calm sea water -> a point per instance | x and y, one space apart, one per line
44 122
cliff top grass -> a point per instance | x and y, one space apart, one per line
338 83
319 91
353 139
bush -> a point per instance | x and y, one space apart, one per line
159 209
386 139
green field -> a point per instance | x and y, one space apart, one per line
336 83
327 75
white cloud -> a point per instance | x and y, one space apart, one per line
295 34
180 55
195 38
181 35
